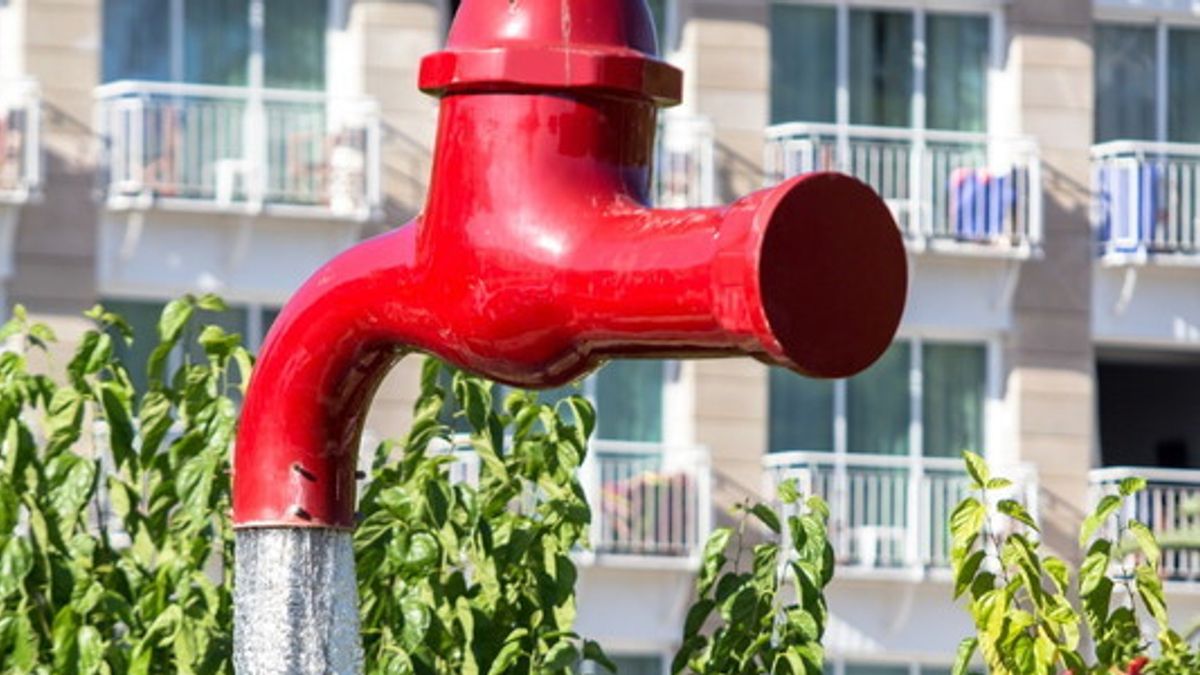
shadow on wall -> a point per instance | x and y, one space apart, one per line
737 174
406 165
55 269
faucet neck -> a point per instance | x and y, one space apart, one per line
537 155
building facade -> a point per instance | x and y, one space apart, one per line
1042 160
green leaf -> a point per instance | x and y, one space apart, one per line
593 652
1131 486
962 659
1013 509
767 517
967 520
965 575
977 468
1145 541
1105 509
174 317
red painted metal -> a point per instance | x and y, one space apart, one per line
536 257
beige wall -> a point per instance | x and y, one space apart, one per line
1051 385
56 238
394 35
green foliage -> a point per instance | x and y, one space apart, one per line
476 576
113 504
116 543
1022 599
770 617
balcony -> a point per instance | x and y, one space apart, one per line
684 165
889 513
1147 202
949 191
1169 506
20 148
233 149
651 505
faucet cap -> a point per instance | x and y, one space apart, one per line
607 46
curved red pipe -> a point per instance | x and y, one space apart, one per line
535 259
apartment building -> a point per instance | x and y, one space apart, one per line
1042 160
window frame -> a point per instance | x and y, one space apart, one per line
1162 23
993 10
255 58
668 33
990 414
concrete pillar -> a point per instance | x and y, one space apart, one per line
1051 384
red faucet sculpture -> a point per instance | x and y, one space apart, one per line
536 257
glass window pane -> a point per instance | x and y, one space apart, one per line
626 665
142 316
294 44
875 669
658 11
803 63
954 381
216 44
629 405
801 412
136 40
881 68
1183 63
269 315
956 75
1125 82
877 405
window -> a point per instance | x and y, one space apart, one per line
957 50
212 42
629 401
881 65
877 405
880 68
1140 96
628 395
627 665
1125 82
143 315
1183 67
803 63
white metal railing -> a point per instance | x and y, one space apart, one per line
942 186
1169 506
889 511
684 162
1147 197
228 146
646 499
20 144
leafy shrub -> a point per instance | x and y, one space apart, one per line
1023 603
475 575
116 542
113 505
771 617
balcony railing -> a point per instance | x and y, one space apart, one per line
947 190
20 147
1147 199
889 512
202 146
1169 506
647 500
684 162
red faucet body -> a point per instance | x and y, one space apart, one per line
536 257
